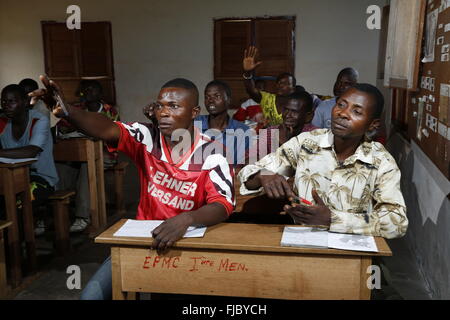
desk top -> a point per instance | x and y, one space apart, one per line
16 165
238 237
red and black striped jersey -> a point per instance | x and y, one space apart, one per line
201 177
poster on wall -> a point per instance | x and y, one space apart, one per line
430 36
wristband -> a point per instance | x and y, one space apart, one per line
248 78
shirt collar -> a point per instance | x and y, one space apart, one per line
363 153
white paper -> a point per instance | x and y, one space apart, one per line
304 237
430 36
352 242
71 135
144 228
13 161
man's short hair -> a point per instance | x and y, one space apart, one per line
287 74
222 85
351 72
15 88
304 96
182 83
376 95
91 83
30 83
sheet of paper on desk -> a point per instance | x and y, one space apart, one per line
13 161
351 242
144 228
304 237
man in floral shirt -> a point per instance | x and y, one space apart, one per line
74 175
351 183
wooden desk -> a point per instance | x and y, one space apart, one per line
3 282
90 151
15 179
238 260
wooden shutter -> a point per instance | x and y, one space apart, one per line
275 40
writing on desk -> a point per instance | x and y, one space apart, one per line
194 264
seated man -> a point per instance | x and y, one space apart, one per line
322 114
234 135
285 86
297 113
353 184
164 163
74 175
25 133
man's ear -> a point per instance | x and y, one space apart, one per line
375 125
196 112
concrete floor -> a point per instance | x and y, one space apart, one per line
401 278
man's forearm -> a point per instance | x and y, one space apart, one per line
94 124
251 89
254 182
208 215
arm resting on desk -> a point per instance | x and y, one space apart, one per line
174 228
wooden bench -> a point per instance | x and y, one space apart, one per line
3 284
60 201
119 171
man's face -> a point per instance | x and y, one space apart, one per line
90 94
216 100
343 83
175 109
352 116
12 104
294 113
285 86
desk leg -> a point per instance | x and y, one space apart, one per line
92 180
101 185
3 284
28 225
117 292
364 289
13 231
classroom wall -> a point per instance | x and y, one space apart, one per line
428 238
157 40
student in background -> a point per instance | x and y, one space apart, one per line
74 175
25 133
322 114
285 86
297 115
164 162
217 122
353 183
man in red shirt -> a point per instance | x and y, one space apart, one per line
181 182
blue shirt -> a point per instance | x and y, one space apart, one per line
322 115
36 134
237 138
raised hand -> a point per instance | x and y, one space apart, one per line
52 96
249 63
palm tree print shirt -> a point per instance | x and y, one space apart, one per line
363 193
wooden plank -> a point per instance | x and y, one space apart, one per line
28 224
239 237
3 281
243 274
364 293
117 292
92 182
98 145
71 150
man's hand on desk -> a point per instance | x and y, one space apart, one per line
275 185
318 215
170 231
